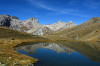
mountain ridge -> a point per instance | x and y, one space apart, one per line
32 25
89 30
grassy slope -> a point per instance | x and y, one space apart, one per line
7 54
90 31
10 33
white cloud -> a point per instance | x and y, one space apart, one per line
63 11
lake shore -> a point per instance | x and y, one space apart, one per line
11 57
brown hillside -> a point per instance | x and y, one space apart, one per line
89 30
10 33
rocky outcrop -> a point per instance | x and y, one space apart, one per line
60 25
17 24
5 20
32 25
68 25
43 30
12 22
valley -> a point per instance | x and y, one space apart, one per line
14 32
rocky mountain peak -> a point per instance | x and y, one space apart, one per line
34 19
14 17
8 16
59 21
4 16
70 22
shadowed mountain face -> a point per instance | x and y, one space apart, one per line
32 25
88 49
5 20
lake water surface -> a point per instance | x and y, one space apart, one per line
63 53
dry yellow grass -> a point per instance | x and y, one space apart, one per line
10 57
7 53
90 32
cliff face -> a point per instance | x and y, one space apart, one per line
32 25
11 22
5 20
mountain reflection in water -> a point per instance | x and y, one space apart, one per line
63 53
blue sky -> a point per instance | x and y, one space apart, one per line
51 11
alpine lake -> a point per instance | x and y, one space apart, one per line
62 53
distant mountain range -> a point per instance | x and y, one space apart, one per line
32 25
89 30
